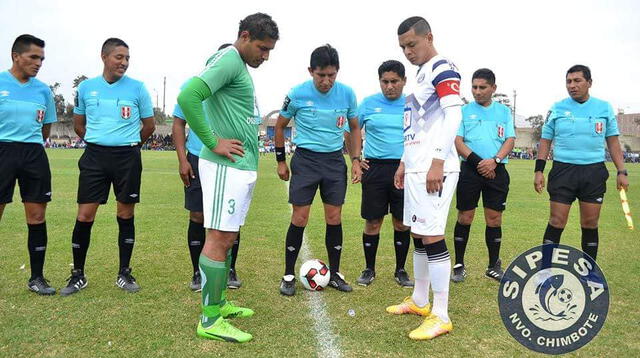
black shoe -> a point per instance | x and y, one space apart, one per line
196 282
288 288
337 281
459 273
126 281
77 282
402 278
367 276
40 285
495 272
233 281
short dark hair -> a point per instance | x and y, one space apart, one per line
324 56
223 46
485 74
417 23
110 43
23 42
586 72
260 26
391 66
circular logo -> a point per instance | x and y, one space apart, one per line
414 218
553 299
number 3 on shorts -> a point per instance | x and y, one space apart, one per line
232 206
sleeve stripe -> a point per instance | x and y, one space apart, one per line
445 75
438 63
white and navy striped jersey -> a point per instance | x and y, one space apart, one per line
427 135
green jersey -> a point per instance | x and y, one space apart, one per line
232 109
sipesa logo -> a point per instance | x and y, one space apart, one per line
553 299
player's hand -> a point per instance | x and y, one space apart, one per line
283 171
435 177
364 164
356 172
398 177
186 173
228 147
486 165
490 175
622 182
538 182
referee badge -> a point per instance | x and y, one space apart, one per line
39 115
125 112
341 121
500 131
599 127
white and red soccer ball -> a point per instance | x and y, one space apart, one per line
314 275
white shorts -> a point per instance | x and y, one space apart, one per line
426 213
226 195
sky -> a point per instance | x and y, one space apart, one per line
529 45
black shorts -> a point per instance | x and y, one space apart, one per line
28 163
311 169
567 182
100 166
379 195
193 192
471 184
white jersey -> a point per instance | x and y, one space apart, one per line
426 134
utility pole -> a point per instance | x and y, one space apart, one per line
514 107
164 92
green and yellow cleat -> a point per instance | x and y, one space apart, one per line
432 327
408 306
222 330
229 310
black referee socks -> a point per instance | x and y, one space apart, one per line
333 241
37 244
460 239
195 241
401 243
370 246
234 252
292 248
80 243
493 237
590 242
126 240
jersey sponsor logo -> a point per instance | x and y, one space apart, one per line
125 112
500 131
39 115
406 119
553 299
448 87
421 78
341 121
285 104
599 127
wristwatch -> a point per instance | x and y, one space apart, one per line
623 172
497 159
356 158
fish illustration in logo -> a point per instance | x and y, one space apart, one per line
548 290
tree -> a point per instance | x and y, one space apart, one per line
503 99
536 123
58 99
159 116
77 80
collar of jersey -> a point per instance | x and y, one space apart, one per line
15 80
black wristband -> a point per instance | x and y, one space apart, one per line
540 164
280 154
474 159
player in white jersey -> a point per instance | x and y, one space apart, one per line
428 172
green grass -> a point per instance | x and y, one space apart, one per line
161 319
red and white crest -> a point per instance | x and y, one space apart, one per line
599 127
39 115
125 112
500 132
341 121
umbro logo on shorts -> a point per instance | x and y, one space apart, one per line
47 193
599 200
133 195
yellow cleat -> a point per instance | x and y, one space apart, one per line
432 327
408 306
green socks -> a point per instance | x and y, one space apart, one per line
214 285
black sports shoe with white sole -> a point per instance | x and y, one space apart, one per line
337 281
126 281
75 283
40 285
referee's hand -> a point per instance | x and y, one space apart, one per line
283 171
622 182
186 173
538 182
228 147
398 177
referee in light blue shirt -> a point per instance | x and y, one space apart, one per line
322 109
485 138
114 115
381 117
27 110
578 126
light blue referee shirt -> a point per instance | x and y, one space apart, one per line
113 111
194 144
320 118
578 130
382 119
485 129
24 108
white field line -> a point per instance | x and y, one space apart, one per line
327 341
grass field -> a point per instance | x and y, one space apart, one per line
161 319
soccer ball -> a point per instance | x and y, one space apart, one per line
314 275
565 295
